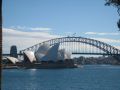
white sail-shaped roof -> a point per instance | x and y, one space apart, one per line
42 51
30 55
52 53
45 53
13 59
62 55
39 56
67 55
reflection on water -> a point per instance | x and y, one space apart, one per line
88 77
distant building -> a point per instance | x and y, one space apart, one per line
13 51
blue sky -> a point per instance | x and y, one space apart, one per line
54 18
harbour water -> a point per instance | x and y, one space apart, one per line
88 77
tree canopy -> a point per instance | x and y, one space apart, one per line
115 3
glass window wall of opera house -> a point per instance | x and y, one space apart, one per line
44 57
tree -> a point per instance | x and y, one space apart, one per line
115 3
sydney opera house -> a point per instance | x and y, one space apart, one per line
44 57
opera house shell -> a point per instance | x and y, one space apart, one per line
48 57
12 60
29 56
10 63
47 53
42 51
45 57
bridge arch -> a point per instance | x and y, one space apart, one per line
108 49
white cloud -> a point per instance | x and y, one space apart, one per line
101 33
113 42
106 40
118 47
31 28
26 39
90 33
41 29
12 32
23 39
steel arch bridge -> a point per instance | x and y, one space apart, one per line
74 44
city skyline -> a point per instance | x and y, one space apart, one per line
38 21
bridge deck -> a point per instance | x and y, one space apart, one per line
75 53
96 53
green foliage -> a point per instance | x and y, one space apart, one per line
115 3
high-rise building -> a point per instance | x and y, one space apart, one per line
13 51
